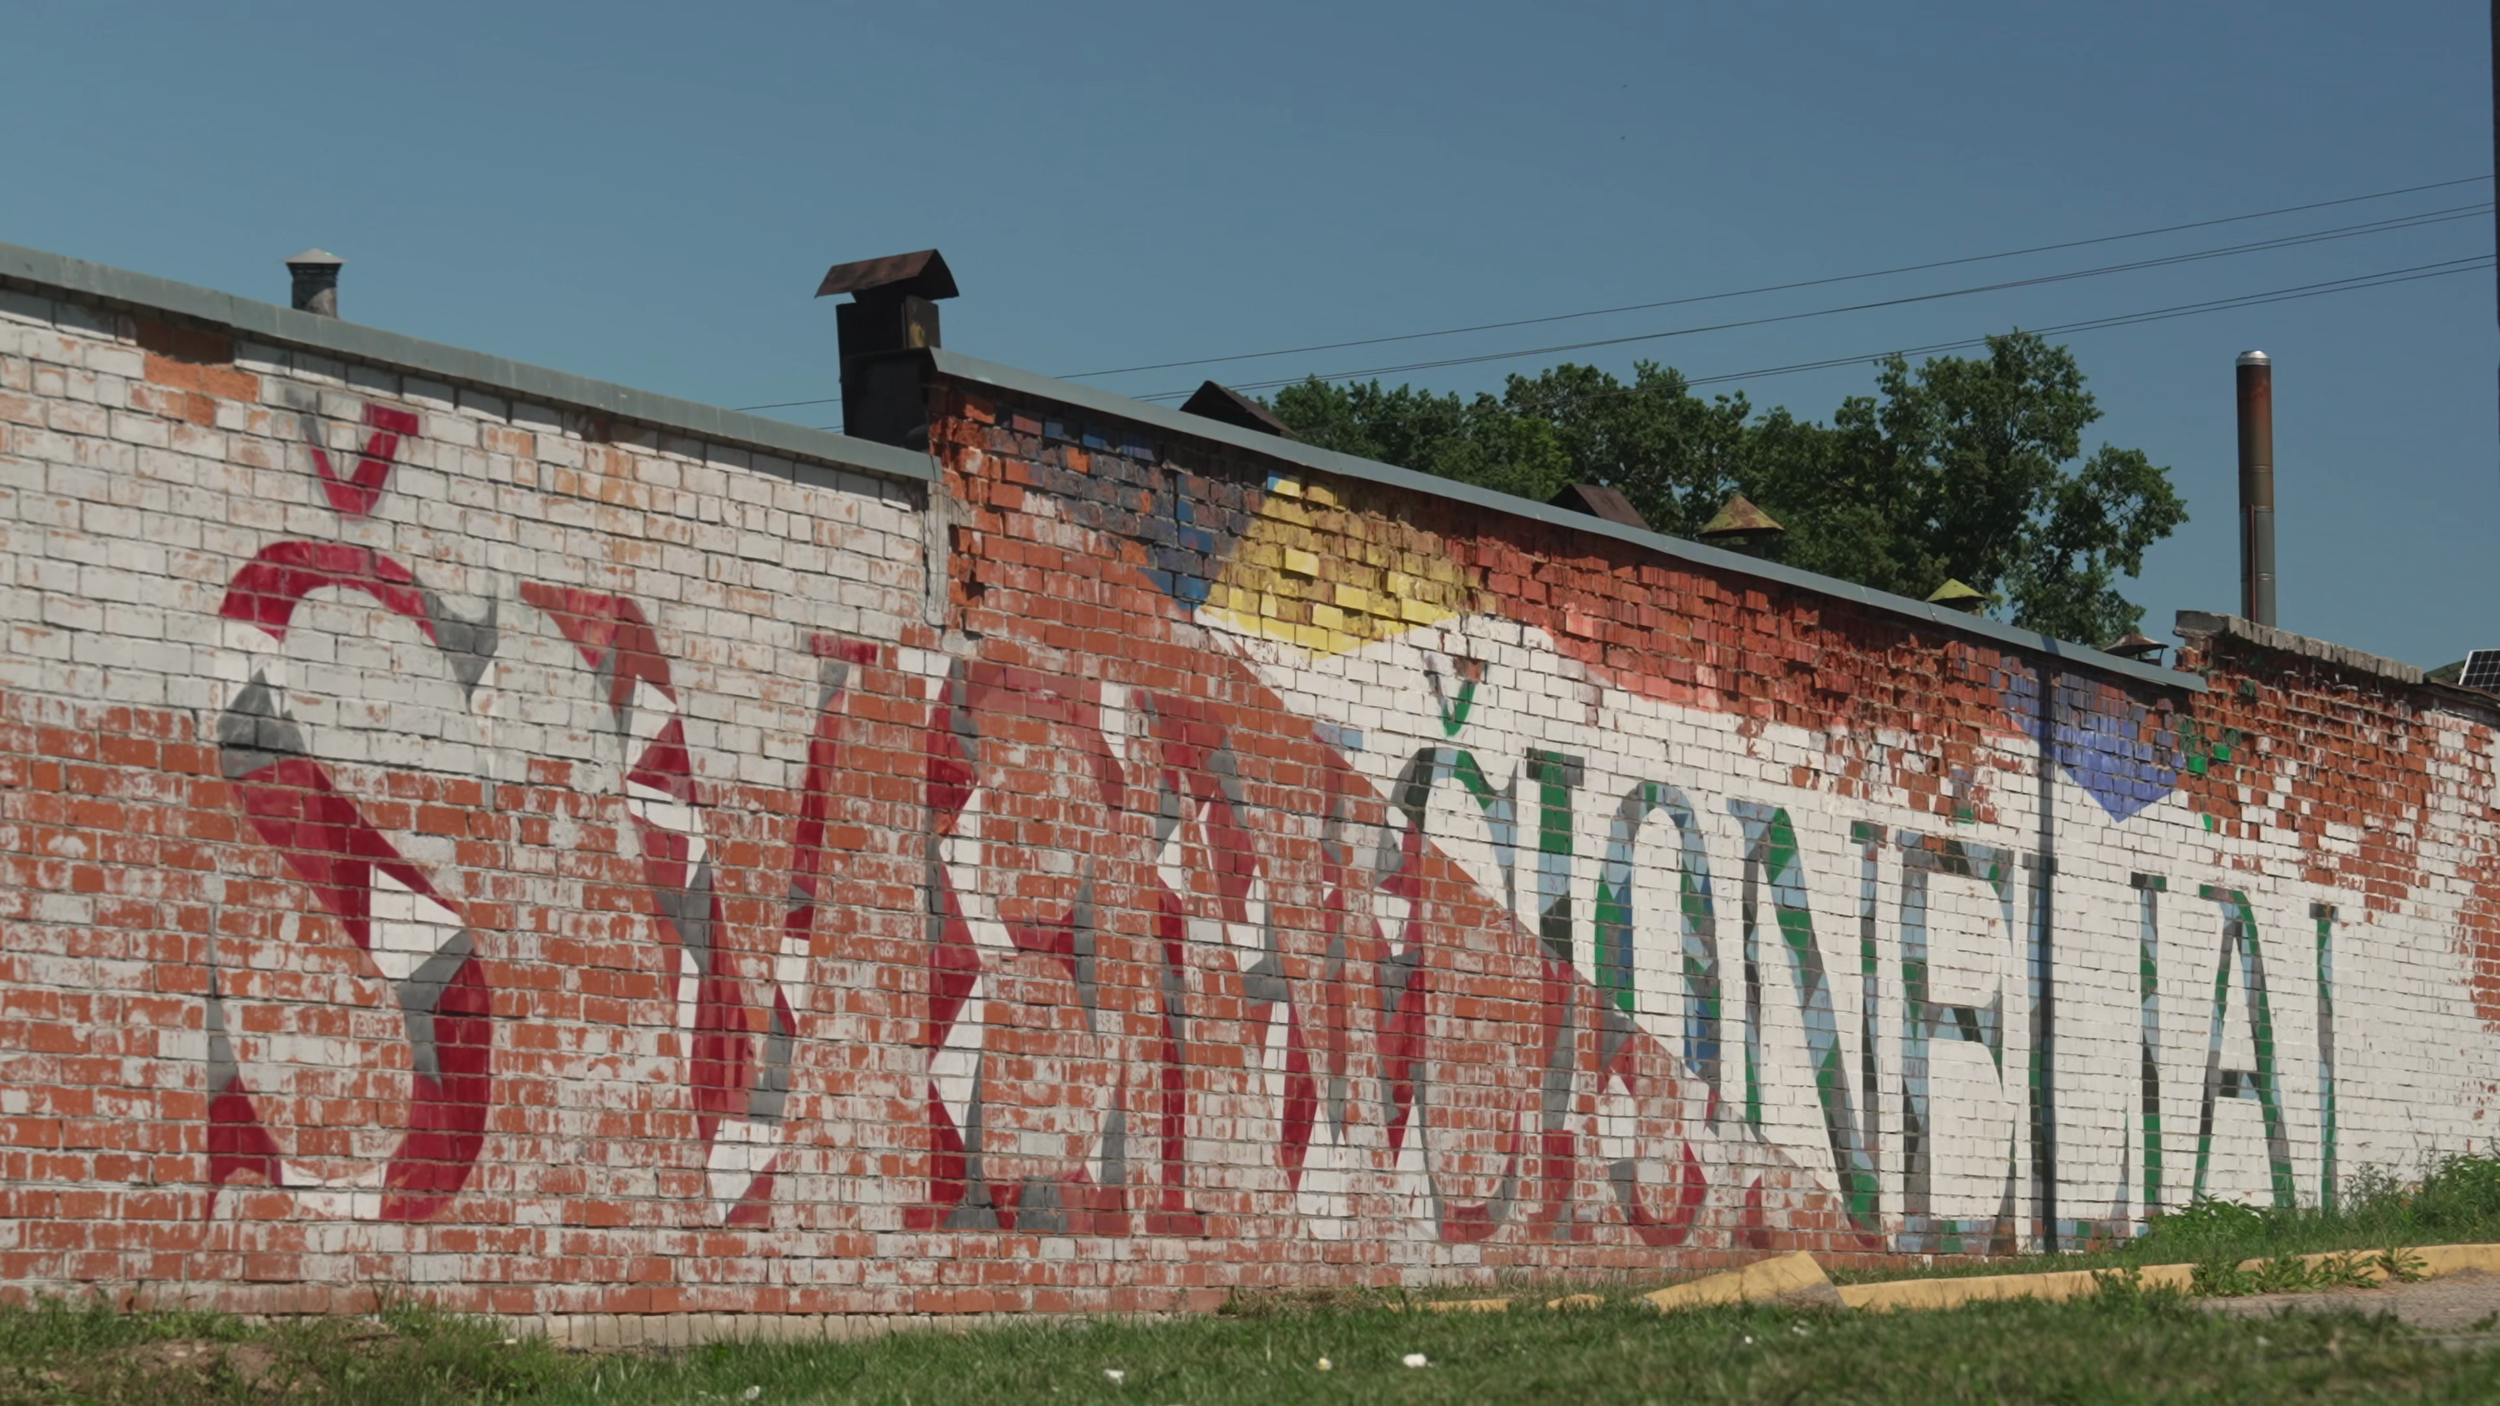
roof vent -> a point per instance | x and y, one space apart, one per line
1739 521
2136 645
316 282
1600 500
1213 402
891 318
1954 595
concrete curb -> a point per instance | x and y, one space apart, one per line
2437 1260
1795 1279
1789 1279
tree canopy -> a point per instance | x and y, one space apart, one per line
1968 468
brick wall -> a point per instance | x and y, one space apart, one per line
508 851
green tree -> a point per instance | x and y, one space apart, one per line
1479 441
1960 467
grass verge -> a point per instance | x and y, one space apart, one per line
2455 1200
2120 1346
2125 1344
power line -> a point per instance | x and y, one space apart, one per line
2367 227
2473 264
2356 283
2258 246
1782 287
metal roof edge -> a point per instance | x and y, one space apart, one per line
268 322
965 368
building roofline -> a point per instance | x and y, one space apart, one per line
957 366
267 322
2207 625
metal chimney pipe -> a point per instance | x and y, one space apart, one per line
316 282
886 332
2256 377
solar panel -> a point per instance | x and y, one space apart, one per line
2482 670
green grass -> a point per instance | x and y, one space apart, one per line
61 1353
2121 1347
2125 1345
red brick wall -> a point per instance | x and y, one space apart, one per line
562 869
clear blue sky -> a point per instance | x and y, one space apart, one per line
648 193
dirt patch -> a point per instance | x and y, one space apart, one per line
2465 1303
193 1361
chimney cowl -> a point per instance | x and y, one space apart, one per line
921 274
316 289
886 331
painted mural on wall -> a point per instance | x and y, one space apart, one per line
1975 1006
1420 915
1235 864
737 1037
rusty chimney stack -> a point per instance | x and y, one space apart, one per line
2256 374
891 319
316 282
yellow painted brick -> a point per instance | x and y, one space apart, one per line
1321 494
1328 616
1420 612
1285 510
1300 562
1310 637
1341 643
1353 597
1400 584
1290 488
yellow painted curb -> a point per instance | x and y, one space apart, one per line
1802 1276
1979 1288
2436 1260
1757 1282
2456 1259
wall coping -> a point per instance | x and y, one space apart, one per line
267 322
2200 623
957 366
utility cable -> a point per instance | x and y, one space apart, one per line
2259 246
2359 282
1784 287
2367 227
2356 283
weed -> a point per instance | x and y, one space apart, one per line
2123 1292
2402 1265
2221 1278
2348 1270
2285 1273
